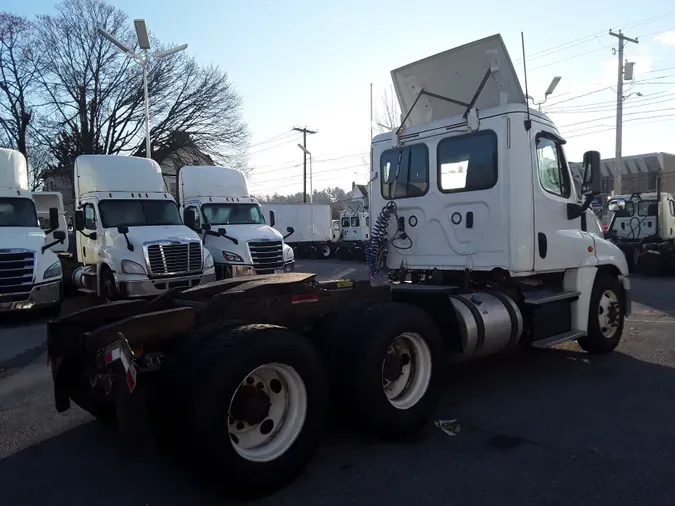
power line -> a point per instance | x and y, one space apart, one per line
607 108
666 118
271 139
283 142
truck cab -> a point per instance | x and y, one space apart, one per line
216 203
476 186
642 221
30 272
131 241
355 225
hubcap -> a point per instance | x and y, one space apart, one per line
609 313
325 251
406 370
267 412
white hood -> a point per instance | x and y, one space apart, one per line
243 234
22 238
139 235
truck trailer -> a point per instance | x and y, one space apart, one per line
312 224
239 373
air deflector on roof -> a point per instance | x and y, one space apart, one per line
479 74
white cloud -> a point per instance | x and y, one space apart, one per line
666 38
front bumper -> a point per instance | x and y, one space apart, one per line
226 271
133 287
42 295
628 299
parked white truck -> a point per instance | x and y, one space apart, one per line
216 203
480 246
313 236
131 241
30 272
644 222
355 226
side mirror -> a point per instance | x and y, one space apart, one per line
53 217
122 229
592 178
616 205
190 218
79 220
222 232
206 227
290 230
59 235
273 219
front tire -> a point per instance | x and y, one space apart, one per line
395 379
605 316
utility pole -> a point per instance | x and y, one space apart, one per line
304 131
619 108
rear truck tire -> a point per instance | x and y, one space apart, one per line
325 252
392 374
254 401
605 315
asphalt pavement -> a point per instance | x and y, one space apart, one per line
547 427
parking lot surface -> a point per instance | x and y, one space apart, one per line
547 427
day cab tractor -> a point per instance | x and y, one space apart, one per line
479 245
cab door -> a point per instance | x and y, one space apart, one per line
559 242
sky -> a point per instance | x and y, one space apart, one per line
302 63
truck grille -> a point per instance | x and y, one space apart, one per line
266 255
168 259
16 271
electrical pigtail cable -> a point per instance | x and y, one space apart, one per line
376 252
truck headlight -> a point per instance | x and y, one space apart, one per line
53 271
289 255
208 260
232 257
131 267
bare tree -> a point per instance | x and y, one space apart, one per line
18 80
388 115
95 101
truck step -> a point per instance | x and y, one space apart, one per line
86 290
546 297
559 338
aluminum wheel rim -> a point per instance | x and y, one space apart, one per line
410 387
608 314
325 251
272 437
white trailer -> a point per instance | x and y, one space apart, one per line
30 272
216 203
312 224
131 241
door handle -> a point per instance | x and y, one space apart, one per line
469 219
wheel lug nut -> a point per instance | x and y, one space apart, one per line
259 385
250 380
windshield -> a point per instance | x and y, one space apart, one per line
233 214
17 212
138 213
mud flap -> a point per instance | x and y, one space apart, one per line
130 396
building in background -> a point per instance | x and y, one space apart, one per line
358 196
639 173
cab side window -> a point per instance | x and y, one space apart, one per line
355 221
90 222
345 222
553 174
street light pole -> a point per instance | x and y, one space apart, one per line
143 60
549 91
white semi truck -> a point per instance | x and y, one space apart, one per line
313 235
644 222
216 203
30 272
355 226
479 245
131 241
